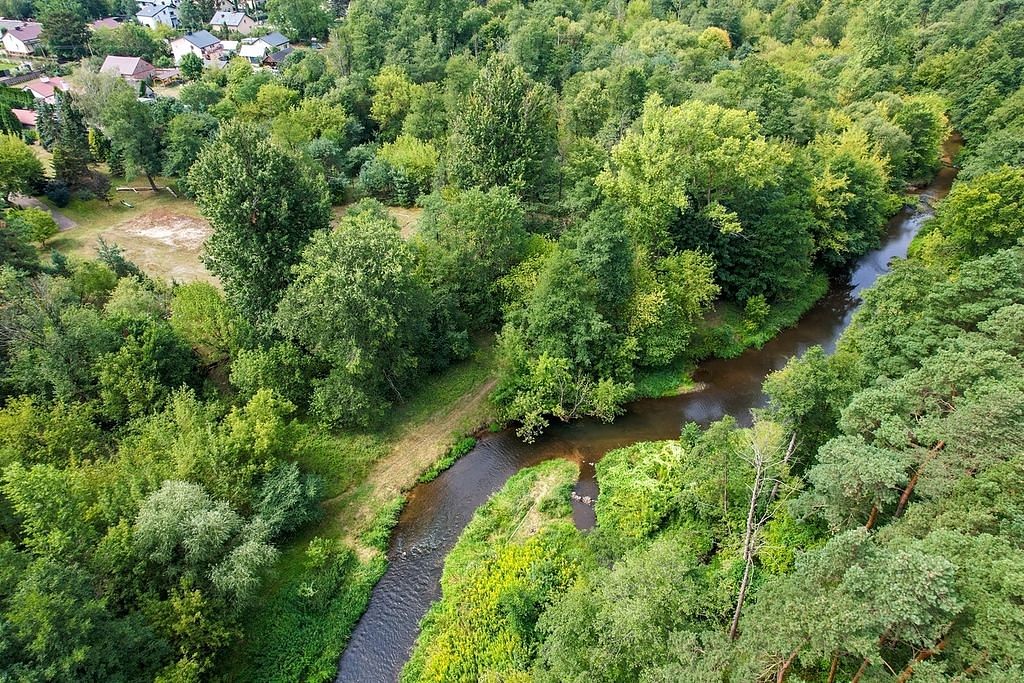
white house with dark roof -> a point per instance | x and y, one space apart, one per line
237 22
203 44
256 49
152 16
22 39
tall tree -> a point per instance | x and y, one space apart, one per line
133 133
504 133
264 203
71 155
356 305
64 31
20 169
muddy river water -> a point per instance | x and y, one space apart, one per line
438 511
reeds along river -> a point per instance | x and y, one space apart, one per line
437 512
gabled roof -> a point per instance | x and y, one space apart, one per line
201 39
275 39
26 117
152 10
227 18
26 32
126 66
279 56
45 86
108 22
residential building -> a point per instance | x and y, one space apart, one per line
26 117
22 39
237 22
107 22
257 49
131 69
152 16
201 43
44 87
275 60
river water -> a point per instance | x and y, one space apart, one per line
437 512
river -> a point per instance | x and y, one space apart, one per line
437 512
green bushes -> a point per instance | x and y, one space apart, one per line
516 554
462 446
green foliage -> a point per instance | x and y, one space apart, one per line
264 204
302 19
511 560
505 133
354 307
35 224
978 217
20 170
461 447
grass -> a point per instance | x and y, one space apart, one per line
458 449
672 380
163 234
518 552
308 608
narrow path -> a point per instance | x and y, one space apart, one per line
417 448
63 222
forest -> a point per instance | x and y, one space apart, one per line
609 192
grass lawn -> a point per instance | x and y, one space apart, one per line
163 234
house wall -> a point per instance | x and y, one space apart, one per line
15 46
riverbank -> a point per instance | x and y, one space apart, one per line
437 512
322 582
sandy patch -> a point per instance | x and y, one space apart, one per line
164 243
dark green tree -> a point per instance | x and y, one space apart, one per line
264 203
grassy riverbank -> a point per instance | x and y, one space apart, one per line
323 579
501 567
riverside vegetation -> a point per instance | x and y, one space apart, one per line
611 191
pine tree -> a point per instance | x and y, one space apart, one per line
71 155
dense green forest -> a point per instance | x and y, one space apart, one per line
611 191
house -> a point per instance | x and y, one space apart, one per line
256 49
201 43
131 69
275 60
152 16
108 22
236 22
22 39
44 87
26 117
275 41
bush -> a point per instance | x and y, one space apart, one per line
57 192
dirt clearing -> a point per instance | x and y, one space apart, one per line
164 243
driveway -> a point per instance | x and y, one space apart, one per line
63 222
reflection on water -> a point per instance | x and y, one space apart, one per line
437 512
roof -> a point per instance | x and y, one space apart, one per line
201 39
152 10
26 32
108 22
26 117
125 66
46 86
252 50
276 39
279 56
229 45
227 18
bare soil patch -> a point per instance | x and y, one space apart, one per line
164 242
